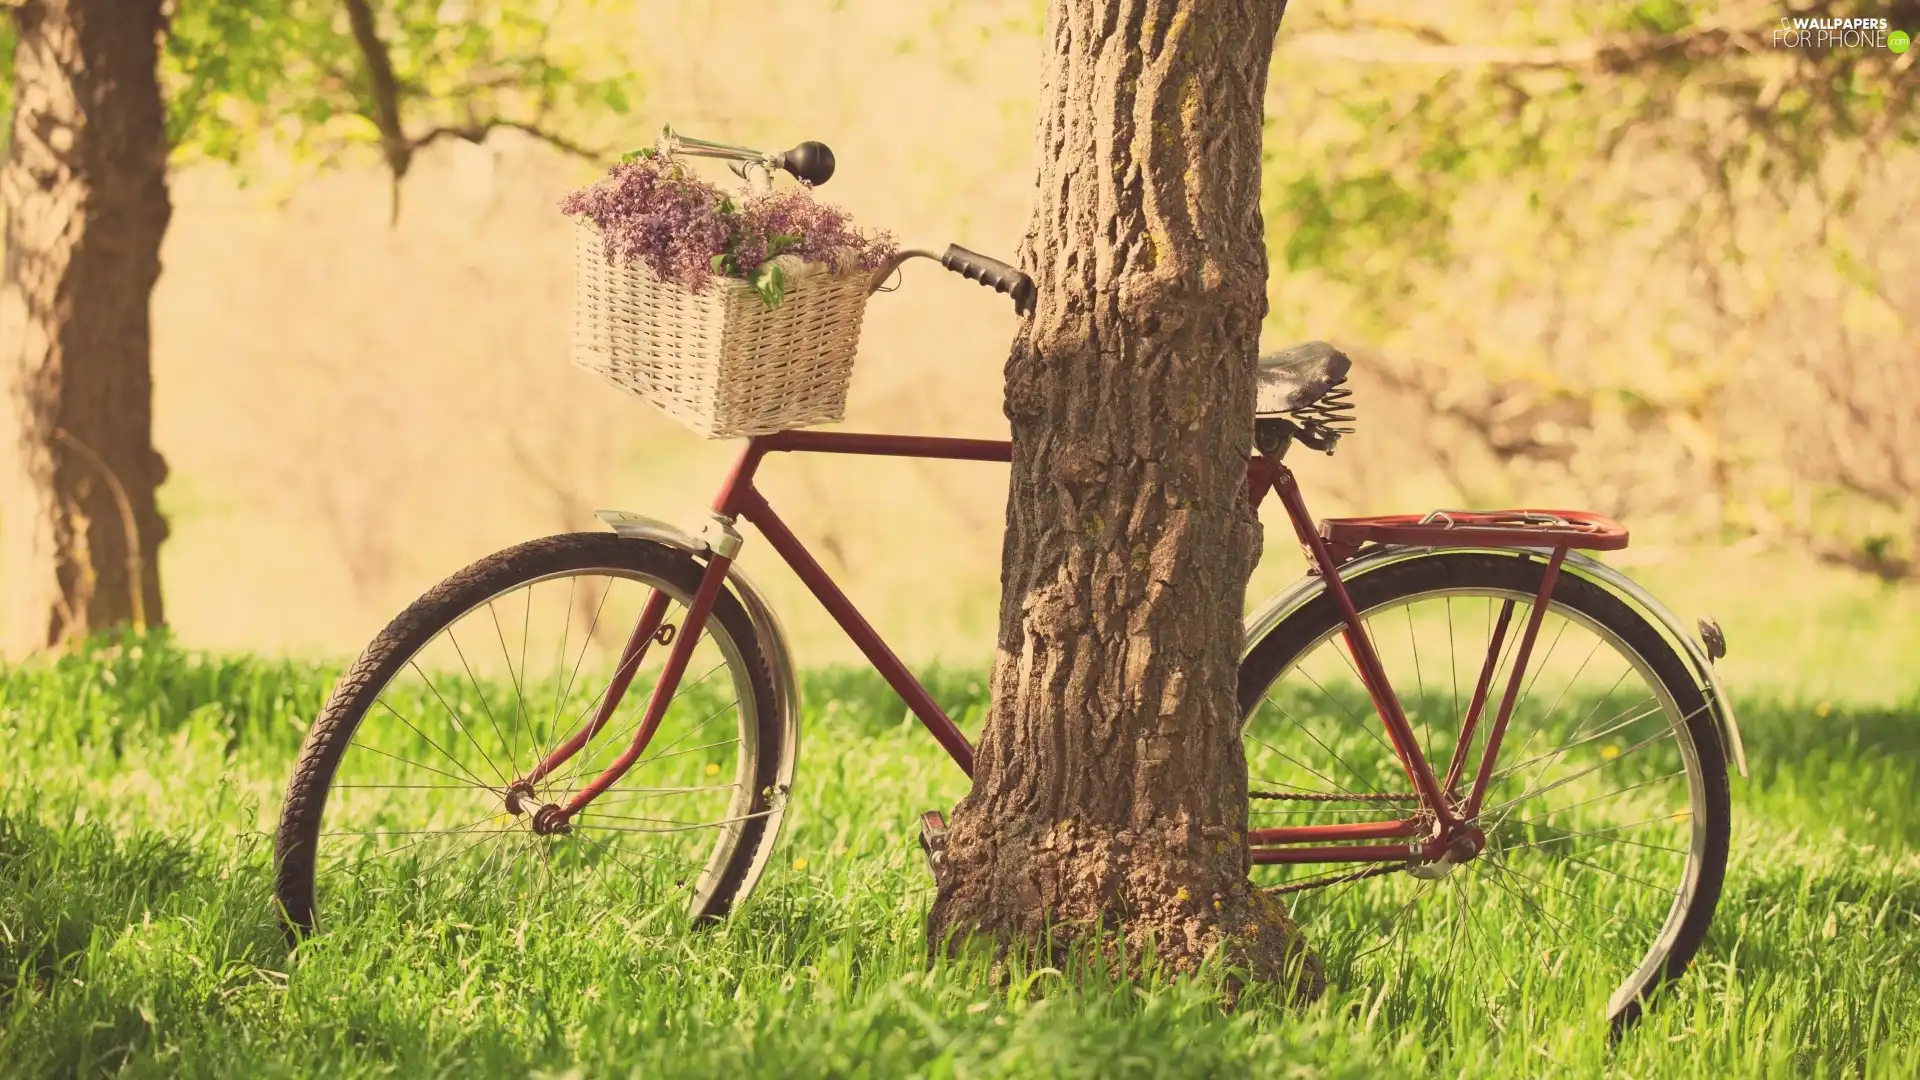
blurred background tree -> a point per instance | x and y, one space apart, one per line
103 94
1620 253
1635 249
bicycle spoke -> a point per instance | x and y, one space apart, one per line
710 717
1500 864
1623 755
681 753
1588 718
632 872
586 643
1393 920
1322 777
580 769
411 844
1598 798
1351 715
450 856
567 793
1474 931
1563 837
1614 873
1534 792
1527 694
404 787
1420 683
559 663
481 693
1554 709
404 832
519 701
674 826
1595 737
1532 931
469 781
637 794
581 831
1453 662
455 717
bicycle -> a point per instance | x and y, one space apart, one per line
1623 811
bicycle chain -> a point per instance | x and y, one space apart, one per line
1357 875
1317 796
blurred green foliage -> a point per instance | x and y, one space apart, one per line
1371 158
246 75
1631 245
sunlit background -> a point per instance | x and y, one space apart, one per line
1682 333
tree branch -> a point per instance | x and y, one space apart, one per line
477 131
381 86
385 91
1612 55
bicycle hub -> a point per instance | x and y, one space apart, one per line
1465 844
550 820
519 795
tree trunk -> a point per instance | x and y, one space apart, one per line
86 198
1110 784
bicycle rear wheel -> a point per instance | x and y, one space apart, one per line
1606 815
398 802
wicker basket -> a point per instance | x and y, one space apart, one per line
718 361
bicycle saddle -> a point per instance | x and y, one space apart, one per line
1294 379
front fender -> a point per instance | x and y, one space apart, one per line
779 657
1275 610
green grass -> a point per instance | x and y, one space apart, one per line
136 936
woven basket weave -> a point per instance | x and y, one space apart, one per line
718 361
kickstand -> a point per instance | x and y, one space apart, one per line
933 841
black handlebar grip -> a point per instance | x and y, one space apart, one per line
810 161
992 273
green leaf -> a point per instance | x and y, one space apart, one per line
240 75
771 283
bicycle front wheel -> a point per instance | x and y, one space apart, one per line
1606 813
399 804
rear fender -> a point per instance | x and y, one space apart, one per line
1275 610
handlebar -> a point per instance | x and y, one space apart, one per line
992 273
810 161
813 162
971 265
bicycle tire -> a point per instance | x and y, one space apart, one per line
1267 659
333 731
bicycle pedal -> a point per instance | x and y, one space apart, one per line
933 840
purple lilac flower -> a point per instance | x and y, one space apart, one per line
817 232
653 211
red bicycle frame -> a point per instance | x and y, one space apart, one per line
1443 827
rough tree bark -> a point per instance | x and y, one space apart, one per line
1110 783
86 197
